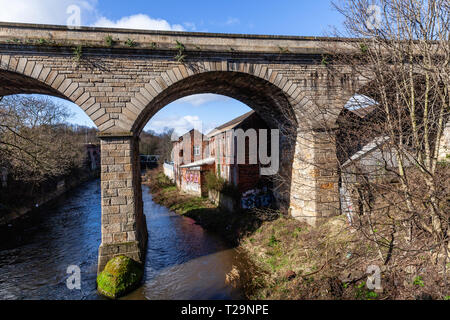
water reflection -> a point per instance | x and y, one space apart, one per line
183 261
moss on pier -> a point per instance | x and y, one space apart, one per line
121 276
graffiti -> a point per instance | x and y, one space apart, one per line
192 176
256 198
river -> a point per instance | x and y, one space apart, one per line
183 260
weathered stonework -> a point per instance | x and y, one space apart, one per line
124 230
314 190
121 88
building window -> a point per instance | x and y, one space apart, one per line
196 150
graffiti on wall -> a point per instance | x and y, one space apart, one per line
191 181
192 176
256 198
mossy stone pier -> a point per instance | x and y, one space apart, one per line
120 276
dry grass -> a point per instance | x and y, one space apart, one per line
330 262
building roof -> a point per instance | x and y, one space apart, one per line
199 163
230 124
180 138
363 111
366 150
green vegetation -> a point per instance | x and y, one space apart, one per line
78 53
42 42
283 50
121 276
166 193
418 281
130 43
218 184
362 293
181 49
364 48
39 148
109 41
273 241
289 258
296 261
213 182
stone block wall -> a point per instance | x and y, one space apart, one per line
124 229
314 185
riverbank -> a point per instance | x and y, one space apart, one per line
11 211
233 227
292 260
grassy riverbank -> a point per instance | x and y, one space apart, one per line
231 226
292 260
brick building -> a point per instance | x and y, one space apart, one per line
187 152
219 154
223 147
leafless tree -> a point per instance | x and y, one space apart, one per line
394 182
35 142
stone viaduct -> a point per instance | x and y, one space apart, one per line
121 78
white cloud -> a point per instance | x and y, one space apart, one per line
180 125
190 26
56 12
231 21
138 21
44 11
200 99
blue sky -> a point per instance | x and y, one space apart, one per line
282 17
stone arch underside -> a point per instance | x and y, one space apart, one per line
254 84
260 95
268 101
20 76
13 83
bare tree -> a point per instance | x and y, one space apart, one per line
394 186
35 143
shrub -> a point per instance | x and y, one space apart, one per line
130 43
213 182
219 184
109 41
78 53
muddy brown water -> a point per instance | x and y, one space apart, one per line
183 260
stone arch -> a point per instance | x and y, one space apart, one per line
21 75
266 91
139 109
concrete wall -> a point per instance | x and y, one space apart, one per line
191 182
223 201
169 171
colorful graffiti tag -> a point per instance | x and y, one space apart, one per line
256 198
192 176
